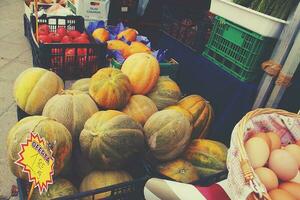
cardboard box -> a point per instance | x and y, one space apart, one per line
90 10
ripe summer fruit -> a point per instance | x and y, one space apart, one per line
201 111
44 39
43 29
81 40
111 138
82 85
207 156
283 164
167 133
140 108
179 170
73 34
110 88
101 179
143 72
275 140
294 150
61 31
165 93
34 87
258 151
84 35
54 132
66 40
55 37
264 136
61 187
71 108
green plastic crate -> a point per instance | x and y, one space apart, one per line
230 67
167 68
240 46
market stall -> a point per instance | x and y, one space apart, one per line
110 112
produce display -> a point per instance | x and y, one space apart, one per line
60 187
165 93
34 87
112 120
276 8
60 136
276 165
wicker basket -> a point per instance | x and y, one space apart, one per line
243 183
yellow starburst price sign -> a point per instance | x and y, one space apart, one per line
37 161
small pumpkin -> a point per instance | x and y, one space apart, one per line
202 114
54 132
110 88
179 170
143 71
101 179
118 45
71 108
110 138
165 93
34 87
81 85
60 188
167 133
207 156
140 108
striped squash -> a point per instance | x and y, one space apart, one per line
143 72
202 114
34 87
186 113
140 108
110 138
110 88
208 156
165 93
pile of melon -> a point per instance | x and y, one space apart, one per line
276 166
103 123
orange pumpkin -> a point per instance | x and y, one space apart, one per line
143 71
129 34
202 114
140 108
110 88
